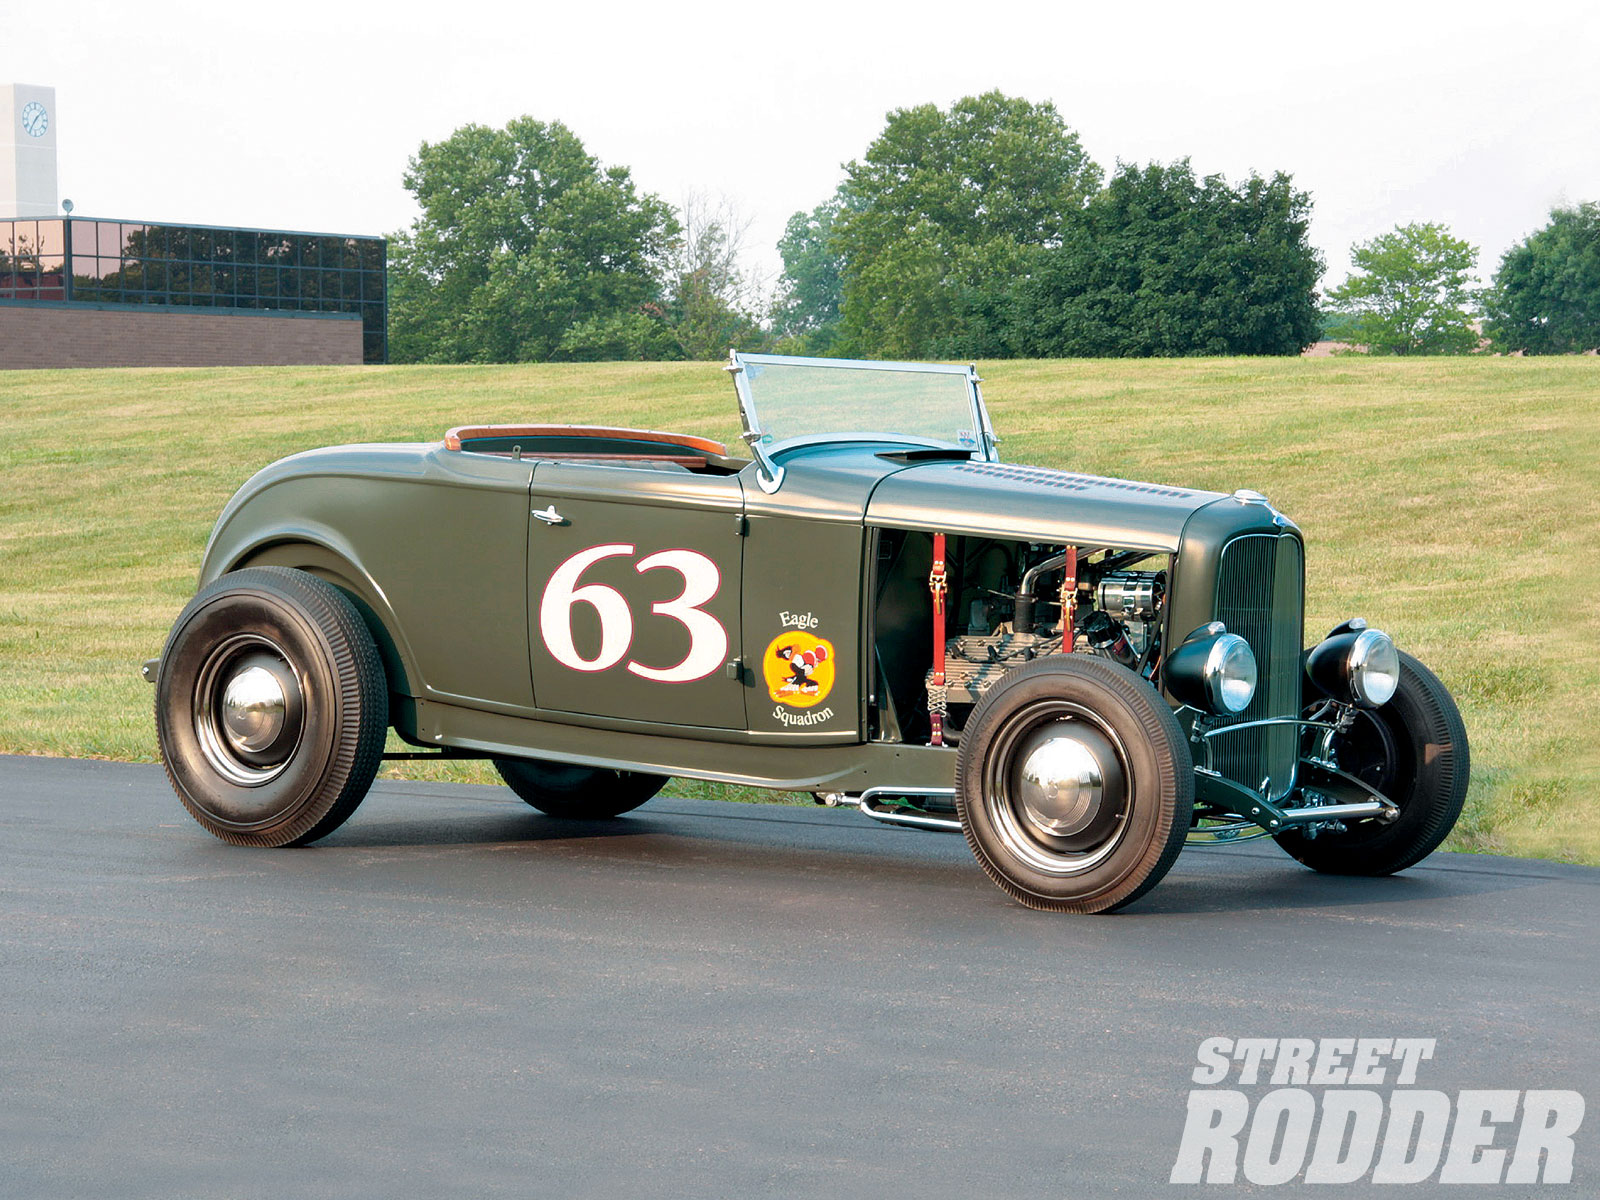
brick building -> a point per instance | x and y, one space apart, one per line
93 292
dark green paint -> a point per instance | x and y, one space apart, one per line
440 552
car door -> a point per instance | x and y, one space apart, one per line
634 577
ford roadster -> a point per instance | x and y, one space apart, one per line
1078 674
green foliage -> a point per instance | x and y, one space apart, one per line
523 236
1546 295
712 302
940 216
1160 263
1411 293
805 315
642 334
1337 327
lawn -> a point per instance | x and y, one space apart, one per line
1453 502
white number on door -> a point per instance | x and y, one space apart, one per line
708 640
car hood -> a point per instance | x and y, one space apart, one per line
1035 504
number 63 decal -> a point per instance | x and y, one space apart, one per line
708 640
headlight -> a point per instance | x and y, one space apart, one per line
1356 665
1212 670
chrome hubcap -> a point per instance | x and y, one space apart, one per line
1056 789
253 707
1061 786
249 711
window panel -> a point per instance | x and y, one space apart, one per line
136 241
23 240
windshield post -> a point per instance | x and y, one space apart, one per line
769 476
991 440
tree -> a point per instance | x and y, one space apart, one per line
713 298
524 242
805 314
1546 295
1411 294
1160 263
941 214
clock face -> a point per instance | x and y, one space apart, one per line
35 120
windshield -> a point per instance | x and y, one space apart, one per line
786 399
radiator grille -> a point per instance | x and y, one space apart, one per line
1260 586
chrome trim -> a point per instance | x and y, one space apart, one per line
1212 673
1226 835
1211 733
913 820
769 475
1317 814
549 516
1054 563
868 804
1368 643
1246 496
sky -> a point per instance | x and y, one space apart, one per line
300 115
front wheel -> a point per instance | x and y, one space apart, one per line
577 793
271 707
1075 787
1413 750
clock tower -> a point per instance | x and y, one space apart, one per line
27 151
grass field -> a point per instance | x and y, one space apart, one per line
1454 503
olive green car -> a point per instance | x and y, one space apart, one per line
1079 674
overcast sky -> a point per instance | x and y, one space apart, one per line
301 115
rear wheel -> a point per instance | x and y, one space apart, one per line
1074 785
1413 750
575 792
271 707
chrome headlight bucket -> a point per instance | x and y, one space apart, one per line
1212 670
1356 665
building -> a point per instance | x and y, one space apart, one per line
94 292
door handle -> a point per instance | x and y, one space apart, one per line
549 516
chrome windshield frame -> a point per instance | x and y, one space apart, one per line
770 474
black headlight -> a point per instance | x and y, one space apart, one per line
1356 665
1212 670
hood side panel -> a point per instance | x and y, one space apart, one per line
1036 504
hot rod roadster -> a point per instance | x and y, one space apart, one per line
1079 674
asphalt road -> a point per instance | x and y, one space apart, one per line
454 994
